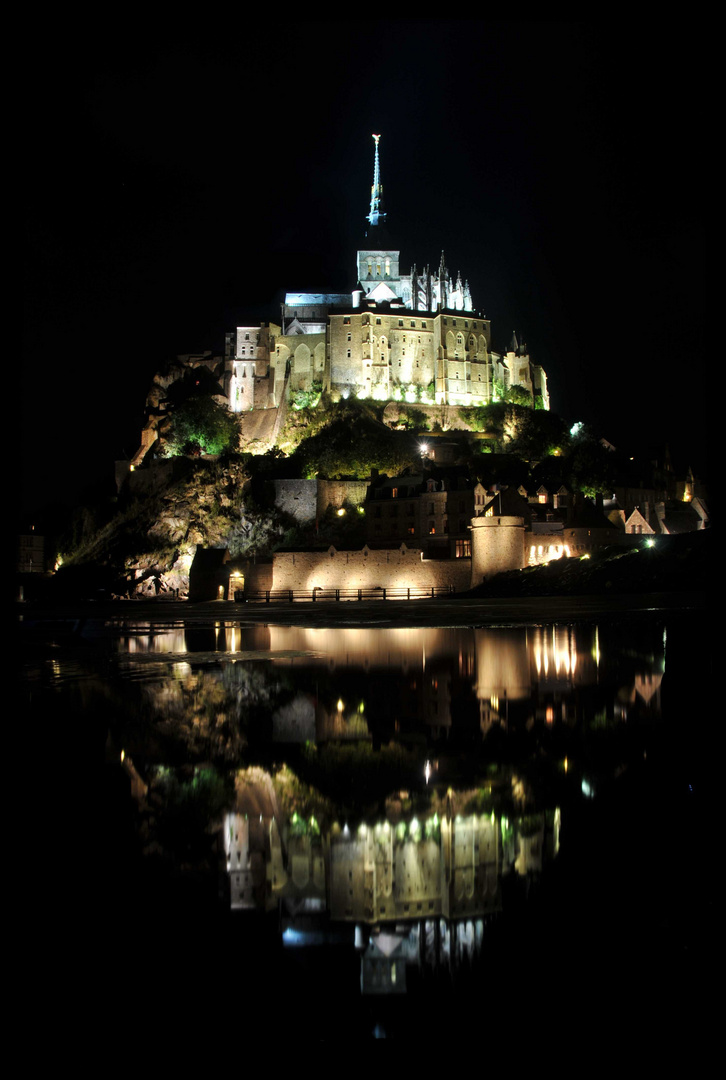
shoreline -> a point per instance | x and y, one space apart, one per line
401 613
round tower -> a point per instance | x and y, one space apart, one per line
497 544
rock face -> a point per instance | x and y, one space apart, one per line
148 546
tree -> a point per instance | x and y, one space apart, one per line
519 395
201 426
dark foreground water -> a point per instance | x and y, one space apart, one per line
372 831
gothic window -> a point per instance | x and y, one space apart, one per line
388 267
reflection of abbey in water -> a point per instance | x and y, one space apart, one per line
447 866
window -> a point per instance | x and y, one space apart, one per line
346 321
349 337
423 325
463 549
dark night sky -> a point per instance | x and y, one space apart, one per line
177 189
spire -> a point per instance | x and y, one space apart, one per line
376 213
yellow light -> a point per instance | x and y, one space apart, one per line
340 705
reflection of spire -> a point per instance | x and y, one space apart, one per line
376 212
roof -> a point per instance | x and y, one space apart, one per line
303 299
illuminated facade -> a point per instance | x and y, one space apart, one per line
407 336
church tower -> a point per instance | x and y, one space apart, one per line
378 262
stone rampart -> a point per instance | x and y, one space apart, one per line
397 568
298 498
337 492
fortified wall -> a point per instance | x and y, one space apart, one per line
400 568
304 500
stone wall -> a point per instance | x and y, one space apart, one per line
298 498
337 492
399 568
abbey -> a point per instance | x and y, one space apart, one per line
407 336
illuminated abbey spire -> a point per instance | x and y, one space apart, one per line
376 212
